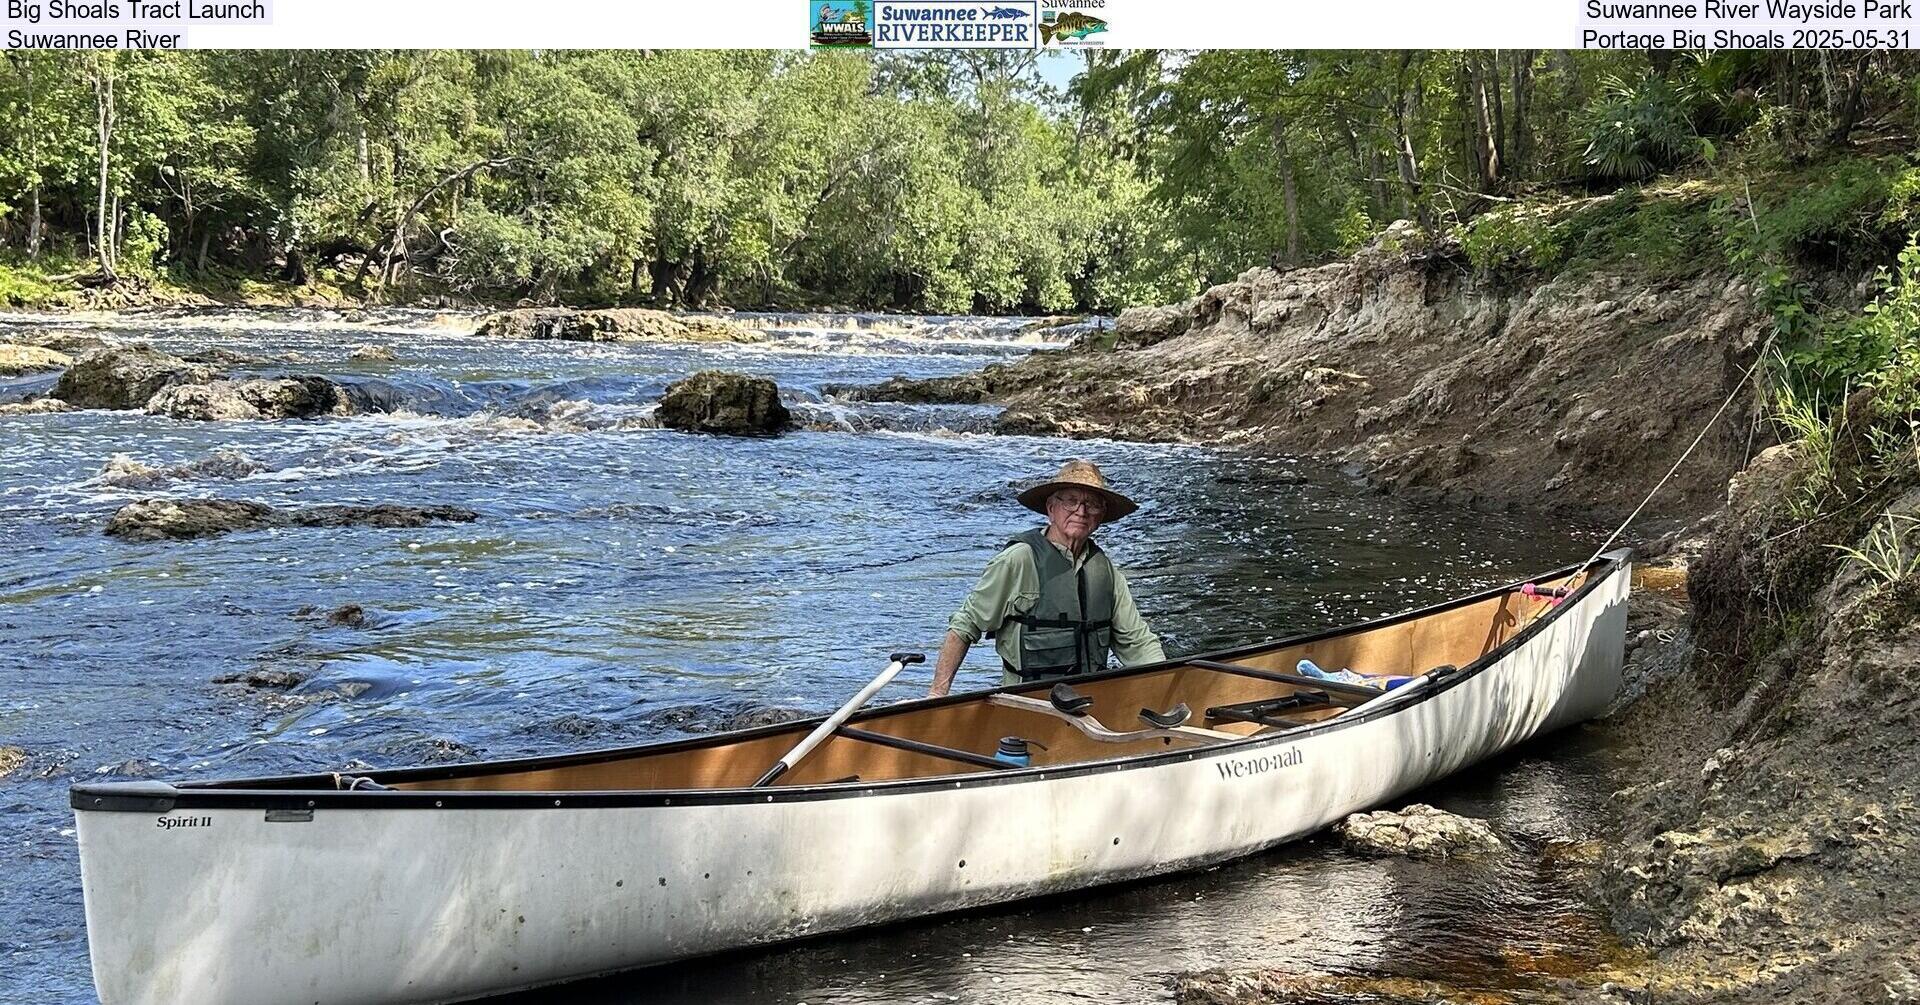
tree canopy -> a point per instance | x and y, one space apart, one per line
939 181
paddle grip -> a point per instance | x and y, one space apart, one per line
907 659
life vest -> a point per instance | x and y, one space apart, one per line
1069 629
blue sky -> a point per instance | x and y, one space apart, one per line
1058 67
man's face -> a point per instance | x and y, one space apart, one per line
1076 513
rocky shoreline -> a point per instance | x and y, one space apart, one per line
1404 365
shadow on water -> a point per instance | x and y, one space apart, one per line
625 584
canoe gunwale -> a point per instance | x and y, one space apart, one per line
284 792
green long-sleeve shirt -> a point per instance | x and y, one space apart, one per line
1010 585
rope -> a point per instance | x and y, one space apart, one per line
1738 386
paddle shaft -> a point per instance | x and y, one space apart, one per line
839 718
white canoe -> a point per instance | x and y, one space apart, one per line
461 881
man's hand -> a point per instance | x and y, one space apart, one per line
939 689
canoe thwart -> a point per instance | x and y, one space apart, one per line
1267 711
918 747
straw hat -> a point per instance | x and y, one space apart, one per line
1078 474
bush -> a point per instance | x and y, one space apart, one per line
1834 217
1510 240
1665 233
1636 130
1877 349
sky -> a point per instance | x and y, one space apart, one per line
1058 67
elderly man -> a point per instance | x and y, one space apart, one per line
1052 599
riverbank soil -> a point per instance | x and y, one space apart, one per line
1571 394
1769 844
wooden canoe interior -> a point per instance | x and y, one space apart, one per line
1456 635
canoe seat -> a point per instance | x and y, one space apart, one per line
1067 701
1268 711
1175 716
1093 728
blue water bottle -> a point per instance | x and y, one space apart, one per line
1013 750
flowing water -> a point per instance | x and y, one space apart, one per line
625 583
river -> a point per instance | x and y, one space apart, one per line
625 583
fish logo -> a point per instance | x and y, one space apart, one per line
1003 13
1072 24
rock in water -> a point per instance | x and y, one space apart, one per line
185 519
371 351
264 679
624 324
125 377
36 406
70 343
11 758
283 398
713 401
385 515
19 359
1418 831
348 616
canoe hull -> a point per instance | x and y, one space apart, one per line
375 905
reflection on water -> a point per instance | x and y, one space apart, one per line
620 574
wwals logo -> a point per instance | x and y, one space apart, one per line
842 25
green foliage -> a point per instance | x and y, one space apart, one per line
1511 240
1637 129
949 180
1831 215
1883 554
1878 348
23 286
1817 428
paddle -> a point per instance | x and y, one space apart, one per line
821 732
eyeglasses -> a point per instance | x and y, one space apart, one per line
1089 506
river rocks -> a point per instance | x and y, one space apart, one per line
347 616
1418 831
264 679
713 401
280 398
185 519
125 377
709 719
70 343
369 351
623 324
11 760
962 389
125 472
430 750
35 406
1137 327
1290 987
222 356
18 359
